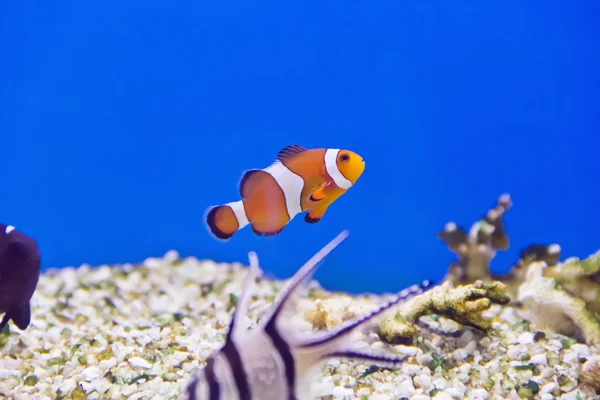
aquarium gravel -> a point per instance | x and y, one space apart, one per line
138 332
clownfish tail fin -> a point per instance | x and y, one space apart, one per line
225 220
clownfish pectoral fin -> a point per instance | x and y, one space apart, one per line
319 194
315 215
289 151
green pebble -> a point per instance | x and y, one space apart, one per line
54 361
552 358
567 343
563 380
106 354
78 394
508 385
524 392
31 380
533 386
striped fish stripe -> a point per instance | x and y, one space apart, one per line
285 352
211 378
404 295
230 349
270 327
365 356
191 389
237 369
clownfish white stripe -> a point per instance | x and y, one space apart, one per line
290 183
240 212
334 171
271 361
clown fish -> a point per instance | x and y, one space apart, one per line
19 274
299 180
272 361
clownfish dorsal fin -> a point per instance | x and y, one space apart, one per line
289 151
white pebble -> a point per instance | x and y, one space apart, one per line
460 354
525 338
539 359
5 373
340 391
442 396
105 365
171 255
422 381
91 373
406 388
406 350
465 368
457 392
548 388
424 358
68 385
513 352
377 396
139 362
420 397
471 347
53 335
479 394
581 350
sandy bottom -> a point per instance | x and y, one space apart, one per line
139 332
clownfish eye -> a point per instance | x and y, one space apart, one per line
344 157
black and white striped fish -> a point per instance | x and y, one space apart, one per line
271 360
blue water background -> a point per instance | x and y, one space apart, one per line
122 121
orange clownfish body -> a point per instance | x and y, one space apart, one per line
299 180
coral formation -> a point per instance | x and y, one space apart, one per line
463 304
569 292
476 249
551 307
